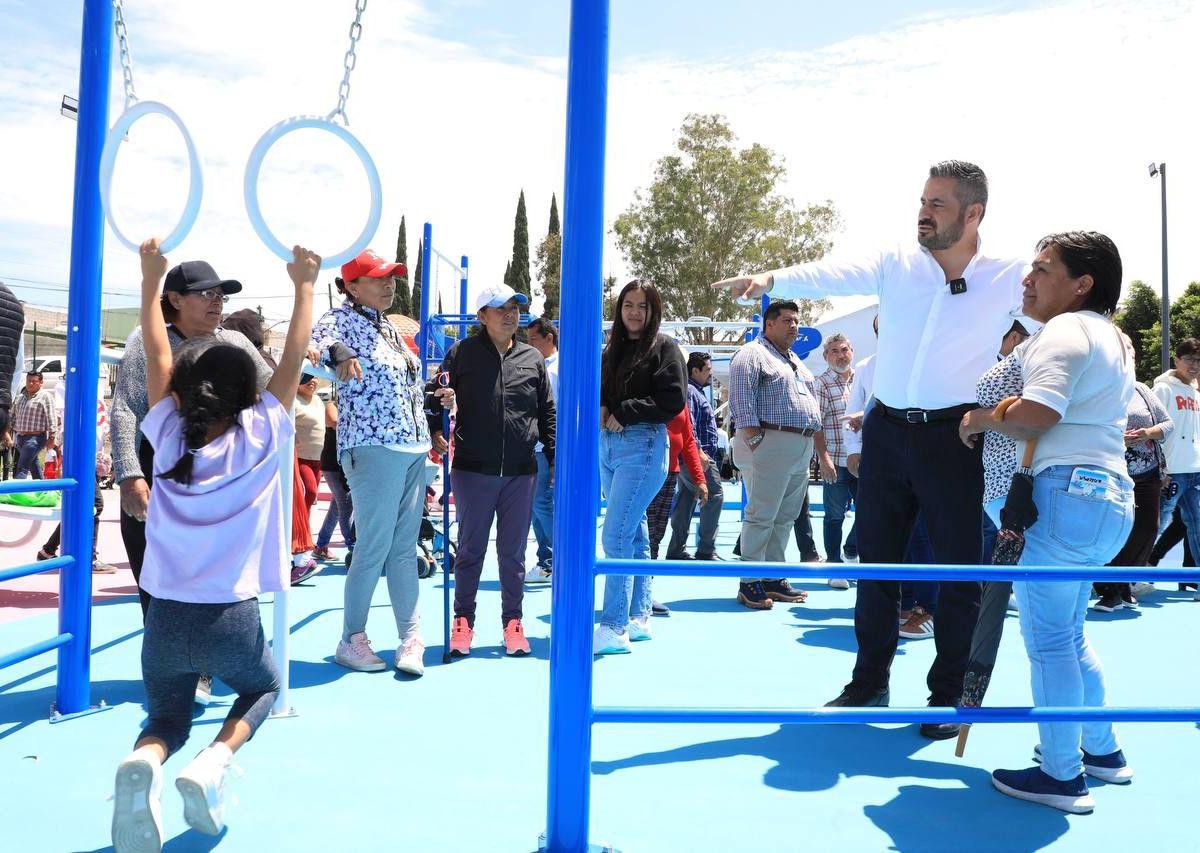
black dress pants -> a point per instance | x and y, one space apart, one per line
909 468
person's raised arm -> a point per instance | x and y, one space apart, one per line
812 280
154 327
303 271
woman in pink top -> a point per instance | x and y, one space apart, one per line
215 540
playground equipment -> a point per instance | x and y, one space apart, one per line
572 713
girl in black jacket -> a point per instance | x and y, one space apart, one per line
643 385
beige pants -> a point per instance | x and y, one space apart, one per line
776 477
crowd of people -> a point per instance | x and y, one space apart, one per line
928 442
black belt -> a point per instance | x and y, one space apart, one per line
798 430
925 416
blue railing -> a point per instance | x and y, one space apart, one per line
73 641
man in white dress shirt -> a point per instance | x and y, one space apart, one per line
943 304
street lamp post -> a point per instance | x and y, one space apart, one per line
1159 170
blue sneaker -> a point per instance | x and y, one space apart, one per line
1111 768
1034 785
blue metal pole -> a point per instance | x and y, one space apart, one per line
83 359
462 294
423 333
795 716
578 481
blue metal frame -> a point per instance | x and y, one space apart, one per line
571 711
73 641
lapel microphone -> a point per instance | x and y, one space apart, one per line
957 286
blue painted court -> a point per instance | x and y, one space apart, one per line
457 760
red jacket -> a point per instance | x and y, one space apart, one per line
683 440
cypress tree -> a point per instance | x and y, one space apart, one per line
508 274
554 226
519 274
416 290
402 301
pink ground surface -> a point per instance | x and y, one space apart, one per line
36 594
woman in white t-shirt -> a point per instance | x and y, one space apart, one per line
1077 382
215 540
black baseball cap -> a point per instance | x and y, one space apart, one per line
194 276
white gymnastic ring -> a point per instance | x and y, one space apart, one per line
250 187
108 160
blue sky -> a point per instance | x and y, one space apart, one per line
691 29
461 103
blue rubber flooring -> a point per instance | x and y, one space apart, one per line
456 761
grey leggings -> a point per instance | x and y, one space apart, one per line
183 640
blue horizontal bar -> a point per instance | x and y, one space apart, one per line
27 569
781 716
20 487
34 650
893 571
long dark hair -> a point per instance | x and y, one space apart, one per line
214 381
619 339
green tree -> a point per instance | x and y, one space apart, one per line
548 260
554 226
609 296
416 290
713 211
1137 317
402 300
518 277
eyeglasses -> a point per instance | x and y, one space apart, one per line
213 294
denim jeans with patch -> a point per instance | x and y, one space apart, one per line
1071 530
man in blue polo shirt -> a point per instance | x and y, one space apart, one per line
704 426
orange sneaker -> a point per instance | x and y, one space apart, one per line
460 637
514 638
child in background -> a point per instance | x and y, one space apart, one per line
215 540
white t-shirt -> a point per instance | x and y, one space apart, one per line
1077 366
220 539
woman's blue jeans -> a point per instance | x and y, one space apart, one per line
633 467
1071 530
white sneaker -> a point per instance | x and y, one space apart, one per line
1142 588
358 654
606 641
410 657
538 575
638 630
202 786
839 583
137 816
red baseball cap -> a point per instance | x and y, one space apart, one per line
370 265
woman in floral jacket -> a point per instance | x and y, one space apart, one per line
383 441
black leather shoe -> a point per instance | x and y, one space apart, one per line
940 731
853 696
714 558
683 556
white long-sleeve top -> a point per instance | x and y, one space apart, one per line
933 345
862 389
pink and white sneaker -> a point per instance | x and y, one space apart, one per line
410 657
461 636
358 654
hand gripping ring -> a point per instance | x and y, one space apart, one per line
108 159
254 165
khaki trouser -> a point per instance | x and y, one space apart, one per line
776 477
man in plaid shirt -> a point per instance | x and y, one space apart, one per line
32 425
773 405
840 486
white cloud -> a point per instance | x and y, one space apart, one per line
1063 106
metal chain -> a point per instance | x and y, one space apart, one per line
349 62
126 59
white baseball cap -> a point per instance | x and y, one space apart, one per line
496 295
